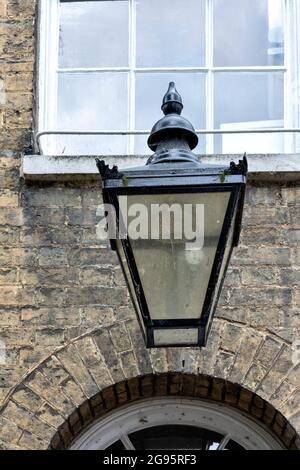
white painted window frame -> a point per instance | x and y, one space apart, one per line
231 423
48 71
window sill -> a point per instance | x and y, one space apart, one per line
264 167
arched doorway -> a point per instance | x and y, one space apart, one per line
176 423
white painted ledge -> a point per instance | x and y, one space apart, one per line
264 167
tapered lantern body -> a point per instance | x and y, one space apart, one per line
177 222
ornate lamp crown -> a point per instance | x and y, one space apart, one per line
172 125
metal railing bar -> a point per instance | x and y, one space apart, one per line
275 68
272 130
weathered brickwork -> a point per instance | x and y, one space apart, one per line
70 347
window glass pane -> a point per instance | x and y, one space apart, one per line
92 101
248 100
93 34
174 437
170 33
232 445
150 89
248 32
116 447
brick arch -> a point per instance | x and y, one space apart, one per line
107 361
176 385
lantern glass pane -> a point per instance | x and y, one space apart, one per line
124 264
226 257
174 239
177 336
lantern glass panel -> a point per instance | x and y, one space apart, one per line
225 260
126 272
174 269
170 336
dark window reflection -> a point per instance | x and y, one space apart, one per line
116 446
175 437
232 445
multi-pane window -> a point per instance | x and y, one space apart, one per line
105 65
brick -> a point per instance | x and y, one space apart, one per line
82 216
49 276
288 435
52 257
147 386
8 276
9 317
261 195
72 361
50 416
3 7
254 236
264 276
258 256
96 315
282 392
26 420
87 295
232 394
53 395
138 343
12 257
31 442
50 235
96 276
262 317
109 398
128 362
245 355
94 361
158 360
28 399
122 393
252 297
11 216
106 347
277 372
291 237
91 197
255 376
54 371
232 278
9 198
231 337
51 197
92 257
73 391
264 215
208 354
216 392
161 385
120 337
245 399
223 365
290 195
19 81
9 235
43 216
44 316
268 352
10 432
134 388
289 277
238 315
